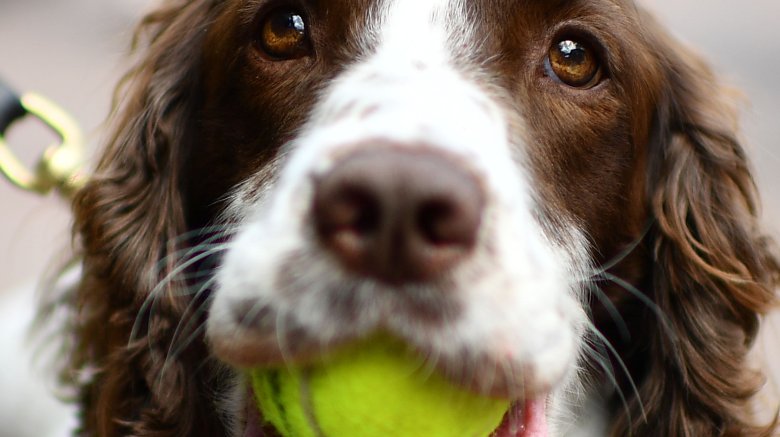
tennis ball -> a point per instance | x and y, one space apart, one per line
376 389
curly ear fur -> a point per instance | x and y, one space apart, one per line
128 217
713 272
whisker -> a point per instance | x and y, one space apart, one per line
281 340
195 310
662 318
190 256
428 364
603 363
614 313
597 350
218 231
510 374
153 296
605 343
617 259
197 332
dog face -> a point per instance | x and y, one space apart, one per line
445 175
530 194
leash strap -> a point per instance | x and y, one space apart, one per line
60 166
11 108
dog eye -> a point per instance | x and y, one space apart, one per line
284 35
574 63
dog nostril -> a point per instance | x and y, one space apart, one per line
354 210
441 222
397 215
347 218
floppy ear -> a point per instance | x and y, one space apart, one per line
713 271
128 217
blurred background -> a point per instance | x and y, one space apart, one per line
73 52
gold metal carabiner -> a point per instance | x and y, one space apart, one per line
60 166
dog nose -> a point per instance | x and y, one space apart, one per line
398 215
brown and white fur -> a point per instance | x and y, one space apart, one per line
611 256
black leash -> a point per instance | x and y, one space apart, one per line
11 108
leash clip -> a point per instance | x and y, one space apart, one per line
60 166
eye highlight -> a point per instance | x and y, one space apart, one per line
574 63
284 35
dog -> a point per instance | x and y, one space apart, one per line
546 199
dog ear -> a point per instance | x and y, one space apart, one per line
713 271
128 218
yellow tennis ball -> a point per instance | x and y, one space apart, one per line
376 389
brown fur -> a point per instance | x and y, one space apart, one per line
711 271
196 117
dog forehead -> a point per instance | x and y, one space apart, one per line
415 27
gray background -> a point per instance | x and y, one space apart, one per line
71 51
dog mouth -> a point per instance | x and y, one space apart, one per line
523 419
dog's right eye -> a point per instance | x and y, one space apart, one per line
284 34
574 63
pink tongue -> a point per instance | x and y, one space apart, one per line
252 421
528 420
535 419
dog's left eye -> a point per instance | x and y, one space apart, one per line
574 63
284 34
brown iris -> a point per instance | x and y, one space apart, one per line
284 35
574 63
